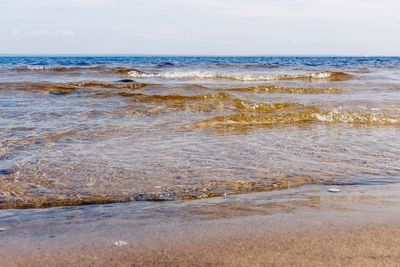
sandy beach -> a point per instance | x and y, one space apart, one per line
306 226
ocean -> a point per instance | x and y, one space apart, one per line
95 129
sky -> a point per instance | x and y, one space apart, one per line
201 27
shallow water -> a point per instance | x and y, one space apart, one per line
85 130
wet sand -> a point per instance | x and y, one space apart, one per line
306 226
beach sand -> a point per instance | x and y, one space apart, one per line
306 226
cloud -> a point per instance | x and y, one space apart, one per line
43 32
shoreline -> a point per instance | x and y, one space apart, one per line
300 226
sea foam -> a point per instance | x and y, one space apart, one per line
240 76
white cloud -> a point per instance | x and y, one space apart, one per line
43 32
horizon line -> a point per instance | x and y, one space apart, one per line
184 55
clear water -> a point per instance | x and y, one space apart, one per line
72 133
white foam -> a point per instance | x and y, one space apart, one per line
340 115
37 68
231 76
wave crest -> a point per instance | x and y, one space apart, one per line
96 84
305 115
331 76
286 90
75 69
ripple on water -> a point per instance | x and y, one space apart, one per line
80 135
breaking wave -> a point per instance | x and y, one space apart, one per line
304 115
331 76
75 69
